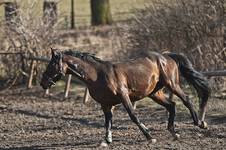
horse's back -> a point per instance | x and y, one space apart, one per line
139 76
143 73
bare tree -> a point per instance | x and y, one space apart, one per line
29 35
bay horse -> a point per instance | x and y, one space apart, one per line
125 82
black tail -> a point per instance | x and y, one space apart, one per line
193 77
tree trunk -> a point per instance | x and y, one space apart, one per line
101 12
224 28
10 12
50 12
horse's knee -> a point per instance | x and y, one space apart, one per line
187 102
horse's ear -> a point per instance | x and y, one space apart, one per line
54 53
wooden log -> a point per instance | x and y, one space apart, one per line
86 96
67 86
32 66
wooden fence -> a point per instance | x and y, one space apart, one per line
31 73
67 85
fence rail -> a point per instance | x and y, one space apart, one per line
215 73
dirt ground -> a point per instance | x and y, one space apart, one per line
30 121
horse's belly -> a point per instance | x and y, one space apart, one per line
104 97
138 96
139 90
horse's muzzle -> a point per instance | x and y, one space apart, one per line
44 86
47 84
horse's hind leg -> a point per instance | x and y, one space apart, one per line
186 101
160 98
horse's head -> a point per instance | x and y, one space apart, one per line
54 70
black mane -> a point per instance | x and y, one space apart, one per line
83 55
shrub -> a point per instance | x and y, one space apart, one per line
194 27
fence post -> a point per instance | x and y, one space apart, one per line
32 66
67 86
86 96
134 105
23 67
72 15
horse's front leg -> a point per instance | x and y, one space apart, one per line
129 108
108 113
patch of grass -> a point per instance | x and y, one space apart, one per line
121 10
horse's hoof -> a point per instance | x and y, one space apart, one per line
153 141
103 144
108 137
108 140
203 125
176 136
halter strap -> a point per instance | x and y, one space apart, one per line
61 64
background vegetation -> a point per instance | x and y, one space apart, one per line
196 28
121 10
30 120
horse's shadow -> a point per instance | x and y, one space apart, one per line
69 145
215 120
82 121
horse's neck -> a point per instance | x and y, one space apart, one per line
91 70
87 71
